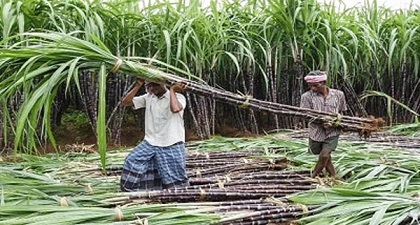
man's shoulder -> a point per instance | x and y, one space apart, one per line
143 96
307 94
336 91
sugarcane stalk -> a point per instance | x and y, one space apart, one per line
264 187
276 213
347 122
261 222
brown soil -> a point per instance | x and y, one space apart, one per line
70 138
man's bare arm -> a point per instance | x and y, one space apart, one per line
128 99
175 105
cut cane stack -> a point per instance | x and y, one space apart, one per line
239 186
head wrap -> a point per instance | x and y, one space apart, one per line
316 76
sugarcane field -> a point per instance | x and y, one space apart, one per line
230 112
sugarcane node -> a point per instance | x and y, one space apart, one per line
117 66
245 104
197 173
118 214
89 188
145 221
64 202
304 208
220 184
275 201
202 194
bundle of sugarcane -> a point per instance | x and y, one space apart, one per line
362 125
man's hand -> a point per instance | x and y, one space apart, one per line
178 87
327 124
139 81
299 125
331 124
128 98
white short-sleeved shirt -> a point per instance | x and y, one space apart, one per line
162 126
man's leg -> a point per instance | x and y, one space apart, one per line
331 143
139 170
330 168
171 163
323 158
315 148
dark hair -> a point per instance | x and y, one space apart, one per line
148 84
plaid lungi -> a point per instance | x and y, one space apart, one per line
150 167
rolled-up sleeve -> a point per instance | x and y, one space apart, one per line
139 101
182 100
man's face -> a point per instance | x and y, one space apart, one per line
155 88
317 87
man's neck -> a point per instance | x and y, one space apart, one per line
325 91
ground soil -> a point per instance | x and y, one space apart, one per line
68 136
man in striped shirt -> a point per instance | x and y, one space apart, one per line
323 138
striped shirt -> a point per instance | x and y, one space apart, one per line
335 102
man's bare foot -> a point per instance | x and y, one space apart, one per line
321 174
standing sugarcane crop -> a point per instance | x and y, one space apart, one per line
159 161
323 138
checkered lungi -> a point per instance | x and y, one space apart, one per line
150 167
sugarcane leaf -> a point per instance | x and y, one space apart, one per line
29 175
354 193
370 184
235 61
376 171
2 197
349 208
378 215
168 44
99 43
389 101
321 221
73 73
101 126
401 217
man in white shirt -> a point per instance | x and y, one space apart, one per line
159 160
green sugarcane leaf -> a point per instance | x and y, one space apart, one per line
379 215
2 197
101 126
376 171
